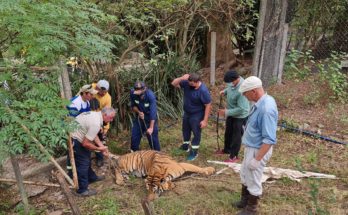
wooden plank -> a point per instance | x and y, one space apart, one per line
36 183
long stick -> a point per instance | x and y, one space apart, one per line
72 163
217 123
8 180
41 147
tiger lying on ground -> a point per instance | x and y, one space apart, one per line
158 168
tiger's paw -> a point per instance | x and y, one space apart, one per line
209 170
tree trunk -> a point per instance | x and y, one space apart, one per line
224 47
20 184
269 43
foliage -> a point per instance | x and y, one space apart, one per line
330 71
158 77
297 64
32 100
42 31
315 18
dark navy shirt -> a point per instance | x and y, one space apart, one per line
146 103
195 99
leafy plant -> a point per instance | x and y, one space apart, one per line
314 193
297 64
31 99
330 71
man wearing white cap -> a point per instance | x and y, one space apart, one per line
258 139
102 100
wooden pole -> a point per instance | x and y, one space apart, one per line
212 58
72 163
20 184
71 200
65 80
283 53
8 180
41 147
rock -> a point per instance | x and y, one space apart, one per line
305 126
321 126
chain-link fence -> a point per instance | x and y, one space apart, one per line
318 25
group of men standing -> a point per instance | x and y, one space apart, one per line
255 127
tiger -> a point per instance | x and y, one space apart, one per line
158 168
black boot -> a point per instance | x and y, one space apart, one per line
251 208
243 198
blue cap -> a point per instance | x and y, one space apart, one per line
139 85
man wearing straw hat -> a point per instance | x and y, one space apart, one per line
80 103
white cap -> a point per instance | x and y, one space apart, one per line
103 84
250 83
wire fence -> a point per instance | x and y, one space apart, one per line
318 25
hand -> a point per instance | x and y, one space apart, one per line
102 148
221 112
185 77
254 164
222 92
149 131
141 115
203 124
106 153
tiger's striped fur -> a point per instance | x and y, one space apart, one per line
158 168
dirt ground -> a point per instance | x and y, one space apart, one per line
299 103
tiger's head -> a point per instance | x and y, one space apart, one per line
158 181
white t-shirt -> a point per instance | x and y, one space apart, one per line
89 124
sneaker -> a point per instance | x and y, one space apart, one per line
185 147
86 193
192 155
100 163
99 178
235 159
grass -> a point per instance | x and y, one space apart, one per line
214 195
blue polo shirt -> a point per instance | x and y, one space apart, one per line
195 99
261 126
146 103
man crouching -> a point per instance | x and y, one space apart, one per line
85 139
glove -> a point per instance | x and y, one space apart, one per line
254 164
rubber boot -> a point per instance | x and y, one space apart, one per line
251 208
243 198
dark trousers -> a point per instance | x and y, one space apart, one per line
233 135
85 174
191 123
139 129
99 155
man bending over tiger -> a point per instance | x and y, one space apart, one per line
159 169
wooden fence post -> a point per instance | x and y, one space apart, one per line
20 184
212 58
